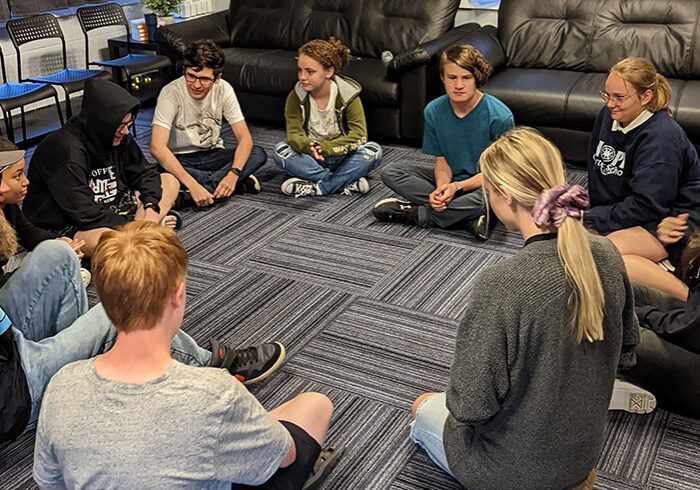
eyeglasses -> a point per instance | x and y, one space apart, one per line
616 99
126 125
204 81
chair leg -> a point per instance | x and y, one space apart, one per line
24 126
69 111
58 109
8 125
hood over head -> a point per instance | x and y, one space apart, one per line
104 106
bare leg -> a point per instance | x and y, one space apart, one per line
310 411
170 187
638 241
91 238
418 401
647 272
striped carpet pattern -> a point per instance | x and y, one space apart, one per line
368 313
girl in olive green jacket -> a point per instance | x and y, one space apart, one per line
326 150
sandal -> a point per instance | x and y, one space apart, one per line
176 215
324 465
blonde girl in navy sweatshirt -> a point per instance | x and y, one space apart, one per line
641 169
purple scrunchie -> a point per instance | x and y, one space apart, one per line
558 203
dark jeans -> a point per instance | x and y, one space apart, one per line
210 166
668 371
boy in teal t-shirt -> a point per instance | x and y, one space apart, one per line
458 127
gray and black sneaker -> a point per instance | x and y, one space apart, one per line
394 210
299 187
479 227
249 365
361 186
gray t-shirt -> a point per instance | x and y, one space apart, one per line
191 428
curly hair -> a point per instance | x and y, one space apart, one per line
331 53
469 58
204 53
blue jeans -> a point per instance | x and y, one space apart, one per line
426 430
47 303
210 166
333 174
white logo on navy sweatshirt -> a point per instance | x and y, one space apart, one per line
609 160
103 184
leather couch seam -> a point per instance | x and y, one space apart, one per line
591 34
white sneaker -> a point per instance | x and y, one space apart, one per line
361 185
299 187
85 276
631 398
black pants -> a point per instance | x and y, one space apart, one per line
295 475
668 371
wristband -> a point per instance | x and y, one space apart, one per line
235 171
153 206
459 188
5 322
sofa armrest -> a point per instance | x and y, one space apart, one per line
424 53
173 39
485 39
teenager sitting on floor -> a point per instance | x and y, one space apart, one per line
642 168
12 167
137 414
539 347
326 150
90 175
458 127
186 139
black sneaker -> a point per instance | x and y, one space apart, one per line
249 365
394 210
184 200
479 227
249 185
324 465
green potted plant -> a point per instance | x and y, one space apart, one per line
163 9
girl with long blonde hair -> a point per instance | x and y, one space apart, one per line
538 349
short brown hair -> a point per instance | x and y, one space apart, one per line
467 57
135 269
204 53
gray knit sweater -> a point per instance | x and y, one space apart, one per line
527 404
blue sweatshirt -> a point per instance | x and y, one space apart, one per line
679 326
640 177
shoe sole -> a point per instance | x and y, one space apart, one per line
256 183
390 199
631 398
316 479
272 368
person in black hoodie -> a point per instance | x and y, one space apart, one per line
91 176
641 169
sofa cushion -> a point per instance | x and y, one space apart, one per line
592 35
274 72
688 109
660 31
536 97
367 27
260 23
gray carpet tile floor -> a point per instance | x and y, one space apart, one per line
368 312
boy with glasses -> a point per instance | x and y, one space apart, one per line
186 139
91 176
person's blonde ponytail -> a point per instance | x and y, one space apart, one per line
526 163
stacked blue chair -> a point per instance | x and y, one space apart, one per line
45 26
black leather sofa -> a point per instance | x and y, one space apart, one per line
260 39
551 59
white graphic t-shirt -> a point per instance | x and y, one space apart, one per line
323 124
195 125
103 183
